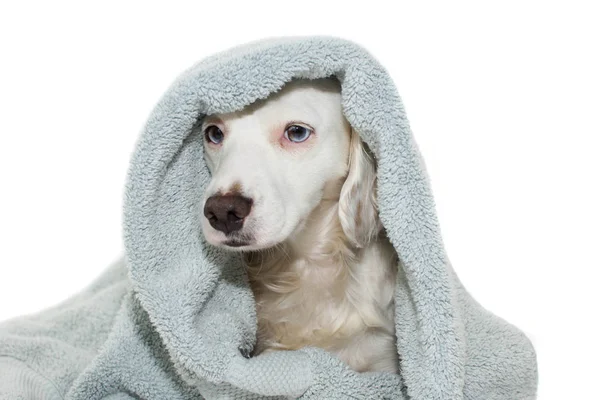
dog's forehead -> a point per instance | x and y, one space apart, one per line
314 99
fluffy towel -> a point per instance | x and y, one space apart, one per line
174 318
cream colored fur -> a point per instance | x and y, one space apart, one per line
319 263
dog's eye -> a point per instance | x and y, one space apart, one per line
213 134
297 133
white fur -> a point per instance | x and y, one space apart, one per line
320 266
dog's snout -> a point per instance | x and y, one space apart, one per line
227 213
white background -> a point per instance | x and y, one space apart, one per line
503 100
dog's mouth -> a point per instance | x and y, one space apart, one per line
238 239
235 243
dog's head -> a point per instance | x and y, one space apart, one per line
273 162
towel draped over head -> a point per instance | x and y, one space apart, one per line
176 318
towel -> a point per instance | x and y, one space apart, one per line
175 317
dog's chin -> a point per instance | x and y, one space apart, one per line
229 243
245 245
241 244
236 243
244 241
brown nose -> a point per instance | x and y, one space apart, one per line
227 213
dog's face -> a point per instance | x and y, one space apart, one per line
272 163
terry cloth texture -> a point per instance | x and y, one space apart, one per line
172 319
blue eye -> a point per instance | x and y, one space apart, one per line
297 133
213 134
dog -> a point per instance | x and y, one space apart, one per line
293 189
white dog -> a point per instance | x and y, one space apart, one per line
293 189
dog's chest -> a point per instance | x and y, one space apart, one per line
344 307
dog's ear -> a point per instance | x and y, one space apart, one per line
358 212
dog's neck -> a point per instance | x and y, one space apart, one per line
318 241
321 235
317 248
321 232
337 294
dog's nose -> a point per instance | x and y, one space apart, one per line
227 213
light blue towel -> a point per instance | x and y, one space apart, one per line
173 317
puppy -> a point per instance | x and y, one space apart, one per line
293 190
